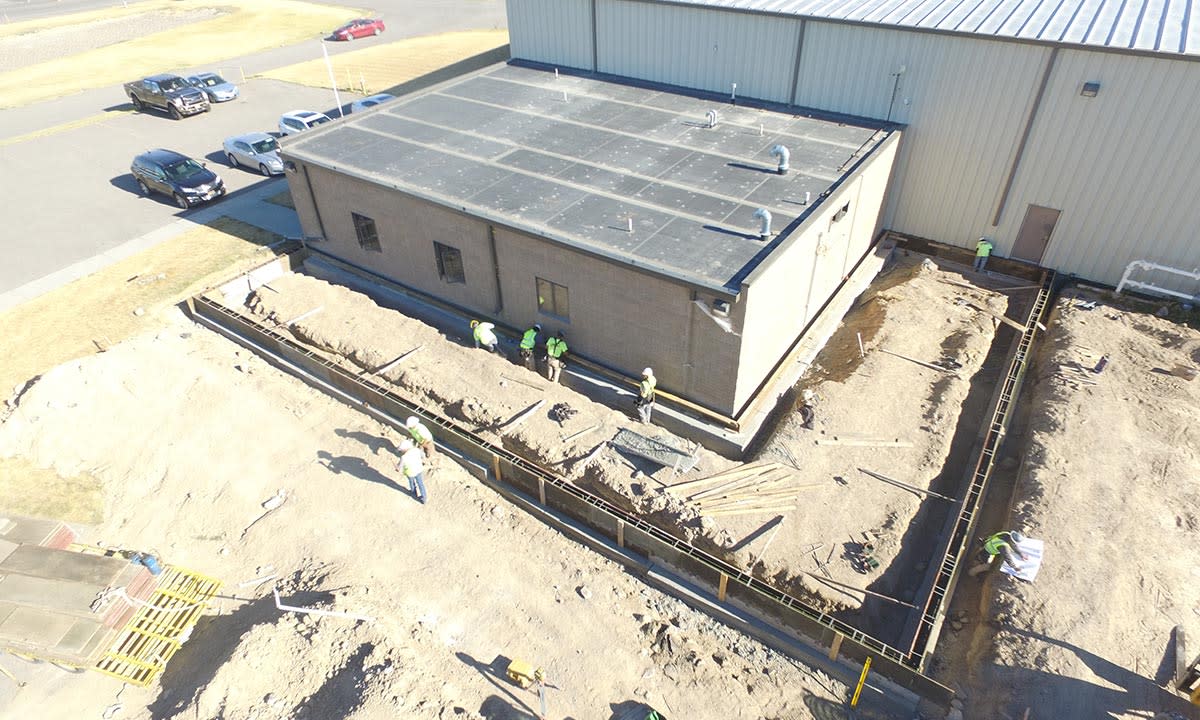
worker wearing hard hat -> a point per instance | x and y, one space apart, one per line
412 464
421 437
485 335
807 409
1006 543
645 399
528 343
983 250
556 348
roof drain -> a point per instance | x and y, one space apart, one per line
782 153
764 217
712 118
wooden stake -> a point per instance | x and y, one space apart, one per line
864 442
581 433
721 588
906 486
726 486
922 363
723 475
767 544
523 416
749 511
393 363
1007 321
526 384
835 647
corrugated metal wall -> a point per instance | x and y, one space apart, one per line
965 116
698 48
1121 167
556 32
1124 166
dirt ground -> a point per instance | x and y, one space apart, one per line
189 434
1110 480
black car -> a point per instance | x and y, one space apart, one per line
186 180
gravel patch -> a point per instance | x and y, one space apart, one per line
32 48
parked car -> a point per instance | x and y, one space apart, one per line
178 176
254 150
169 93
360 27
370 102
299 120
217 88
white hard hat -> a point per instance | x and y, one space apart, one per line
647 371
406 445
807 395
412 421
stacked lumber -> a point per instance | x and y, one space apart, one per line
764 487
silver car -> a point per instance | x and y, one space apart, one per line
217 88
254 150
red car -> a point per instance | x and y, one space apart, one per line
361 27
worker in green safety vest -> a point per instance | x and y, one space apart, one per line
1006 543
556 347
983 250
528 343
645 399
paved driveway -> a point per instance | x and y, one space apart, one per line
68 194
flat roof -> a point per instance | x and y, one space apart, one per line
574 158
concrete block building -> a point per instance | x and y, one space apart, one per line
1063 131
633 216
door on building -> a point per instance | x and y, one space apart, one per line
1035 234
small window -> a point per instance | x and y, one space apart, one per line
368 236
552 299
450 264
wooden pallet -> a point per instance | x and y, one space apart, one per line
158 629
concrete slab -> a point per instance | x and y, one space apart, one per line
33 628
20 529
575 157
43 562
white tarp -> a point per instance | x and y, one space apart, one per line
1028 568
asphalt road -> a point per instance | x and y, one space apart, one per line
68 194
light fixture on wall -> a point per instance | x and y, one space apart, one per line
1090 89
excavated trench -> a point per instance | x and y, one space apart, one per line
630 512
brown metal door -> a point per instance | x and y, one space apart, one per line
1035 234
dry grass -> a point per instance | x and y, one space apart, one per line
41 492
382 67
46 23
283 199
248 26
97 311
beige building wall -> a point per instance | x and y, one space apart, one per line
785 294
618 316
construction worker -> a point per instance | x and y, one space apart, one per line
485 335
556 347
1005 543
528 343
807 409
983 250
412 465
421 437
645 399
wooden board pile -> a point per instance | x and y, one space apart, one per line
764 487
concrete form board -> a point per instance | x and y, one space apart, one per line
558 32
703 49
523 112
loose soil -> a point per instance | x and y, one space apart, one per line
1109 478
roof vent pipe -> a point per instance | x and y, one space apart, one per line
712 118
782 153
764 217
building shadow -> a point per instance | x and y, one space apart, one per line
374 443
1067 697
355 467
